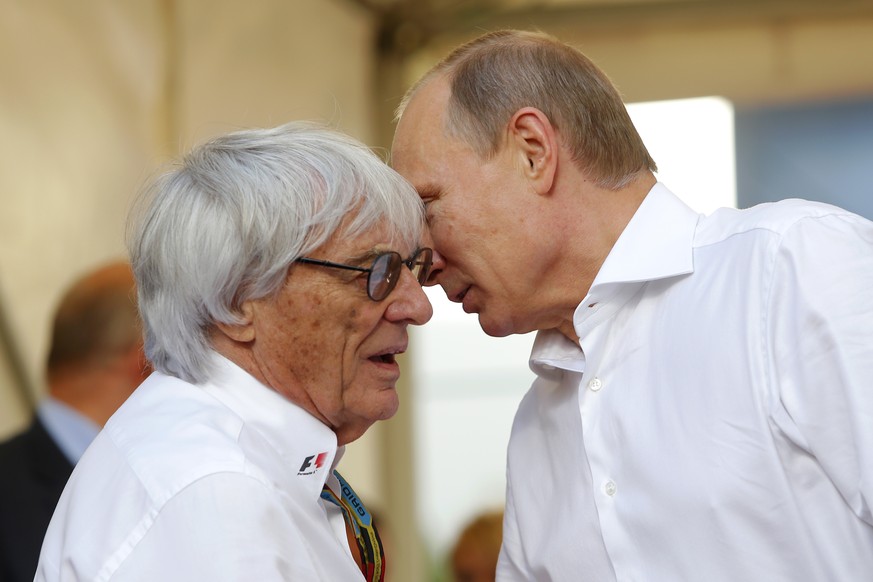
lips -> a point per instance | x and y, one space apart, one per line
459 297
387 355
465 298
384 358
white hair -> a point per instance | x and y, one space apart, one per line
225 225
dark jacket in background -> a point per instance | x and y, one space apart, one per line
33 472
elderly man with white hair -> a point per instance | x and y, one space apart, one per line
277 272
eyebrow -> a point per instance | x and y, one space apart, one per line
368 256
365 257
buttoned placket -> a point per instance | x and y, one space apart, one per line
592 323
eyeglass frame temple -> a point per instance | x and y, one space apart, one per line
410 263
324 263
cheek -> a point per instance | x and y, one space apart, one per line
351 327
351 321
446 230
304 339
298 338
354 330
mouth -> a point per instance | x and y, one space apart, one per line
459 297
387 356
465 298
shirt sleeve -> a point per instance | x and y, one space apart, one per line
224 527
820 328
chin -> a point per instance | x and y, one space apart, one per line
496 328
382 405
391 406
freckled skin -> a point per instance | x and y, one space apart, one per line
314 340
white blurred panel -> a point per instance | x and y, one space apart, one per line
692 141
467 389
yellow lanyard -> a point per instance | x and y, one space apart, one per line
359 519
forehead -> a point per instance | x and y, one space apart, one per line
345 246
420 128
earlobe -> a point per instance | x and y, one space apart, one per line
244 330
536 143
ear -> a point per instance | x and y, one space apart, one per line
244 330
536 143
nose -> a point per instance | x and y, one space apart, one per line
438 264
408 302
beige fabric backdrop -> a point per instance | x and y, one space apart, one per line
96 94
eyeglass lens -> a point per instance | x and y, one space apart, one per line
421 264
384 275
386 272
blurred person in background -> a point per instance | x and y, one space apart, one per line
703 406
277 272
95 362
474 556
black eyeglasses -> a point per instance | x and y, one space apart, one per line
385 270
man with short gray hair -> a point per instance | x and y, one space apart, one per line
278 271
703 406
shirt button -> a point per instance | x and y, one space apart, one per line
595 384
609 488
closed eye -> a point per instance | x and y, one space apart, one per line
428 194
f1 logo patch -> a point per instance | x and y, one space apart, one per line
312 463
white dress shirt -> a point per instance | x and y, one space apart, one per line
220 481
717 422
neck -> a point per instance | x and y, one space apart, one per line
597 220
90 394
243 355
569 330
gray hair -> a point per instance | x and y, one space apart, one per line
497 74
225 225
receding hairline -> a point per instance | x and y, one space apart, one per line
495 75
447 67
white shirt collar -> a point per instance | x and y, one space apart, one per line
308 446
655 244
552 351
